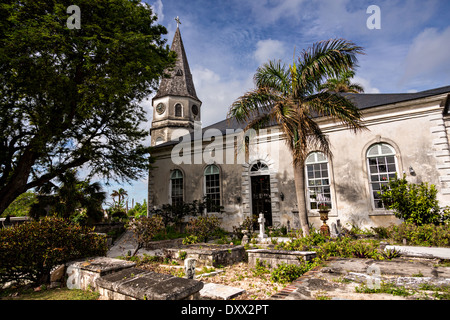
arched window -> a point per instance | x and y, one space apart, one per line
178 110
259 168
382 166
318 180
176 187
212 188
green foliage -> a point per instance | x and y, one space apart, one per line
190 239
424 235
260 268
303 243
415 203
139 210
173 214
203 227
30 250
285 273
21 206
145 229
74 199
72 97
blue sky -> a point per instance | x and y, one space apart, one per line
226 41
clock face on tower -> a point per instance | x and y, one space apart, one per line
160 108
195 110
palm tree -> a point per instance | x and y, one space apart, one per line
291 98
67 198
342 83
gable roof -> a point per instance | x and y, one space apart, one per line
361 100
179 82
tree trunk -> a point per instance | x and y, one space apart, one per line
299 180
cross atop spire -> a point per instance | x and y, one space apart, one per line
177 19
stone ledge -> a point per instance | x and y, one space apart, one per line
274 257
137 284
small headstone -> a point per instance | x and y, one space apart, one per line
189 268
244 238
261 221
334 231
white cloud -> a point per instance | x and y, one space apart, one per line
269 49
428 56
158 10
217 94
365 83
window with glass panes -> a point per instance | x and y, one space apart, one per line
382 166
318 180
212 188
176 187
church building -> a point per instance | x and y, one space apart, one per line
251 173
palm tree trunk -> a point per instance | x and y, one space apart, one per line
299 181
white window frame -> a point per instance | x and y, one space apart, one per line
317 161
388 174
212 173
171 184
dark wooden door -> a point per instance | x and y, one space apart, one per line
261 202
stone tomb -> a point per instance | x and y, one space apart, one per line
82 274
274 257
138 284
210 254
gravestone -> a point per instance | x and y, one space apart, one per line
244 238
189 268
261 221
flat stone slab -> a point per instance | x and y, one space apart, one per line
219 292
422 252
138 284
274 257
83 273
103 265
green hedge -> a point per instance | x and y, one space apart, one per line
29 251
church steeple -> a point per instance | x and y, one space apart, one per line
176 104
180 82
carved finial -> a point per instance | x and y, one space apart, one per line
177 19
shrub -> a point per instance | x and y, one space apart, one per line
203 227
425 235
145 229
415 203
285 273
29 251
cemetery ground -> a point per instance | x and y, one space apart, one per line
356 267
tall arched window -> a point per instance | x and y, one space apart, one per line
212 188
382 166
176 187
178 110
318 180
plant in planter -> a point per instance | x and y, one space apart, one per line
324 210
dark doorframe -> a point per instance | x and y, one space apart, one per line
261 202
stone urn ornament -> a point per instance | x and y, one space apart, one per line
324 210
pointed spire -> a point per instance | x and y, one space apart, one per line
180 82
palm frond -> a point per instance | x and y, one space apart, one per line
337 107
326 59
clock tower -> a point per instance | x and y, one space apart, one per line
176 105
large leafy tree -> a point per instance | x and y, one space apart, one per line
71 97
291 97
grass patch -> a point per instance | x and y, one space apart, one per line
48 294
